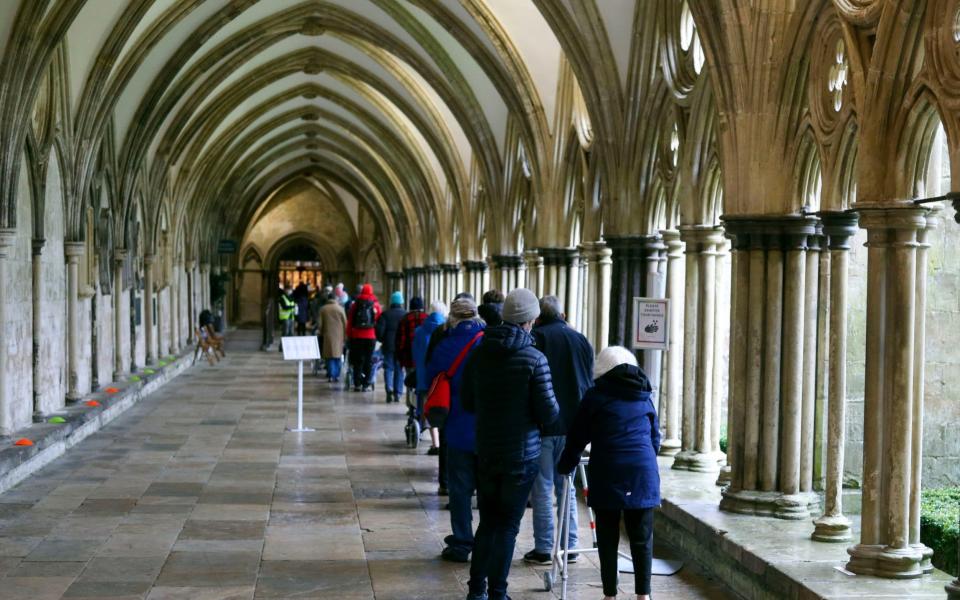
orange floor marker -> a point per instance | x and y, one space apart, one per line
23 442
92 403
112 390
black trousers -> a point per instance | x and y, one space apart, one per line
639 526
361 359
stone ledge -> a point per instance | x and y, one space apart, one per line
764 558
52 440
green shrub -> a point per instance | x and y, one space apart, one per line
723 437
940 526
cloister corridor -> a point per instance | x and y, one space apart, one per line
198 493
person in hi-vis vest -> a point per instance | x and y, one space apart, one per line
287 310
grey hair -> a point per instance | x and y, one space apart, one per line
551 308
438 307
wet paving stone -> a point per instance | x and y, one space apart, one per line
199 493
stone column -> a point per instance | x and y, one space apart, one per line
535 272
919 358
832 526
204 286
809 392
673 382
395 283
450 281
73 251
6 243
655 288
766 481
151 355
699 451
885 548
176 328
618 287
508 266
732 473
37 318
119 257
191 300
570 278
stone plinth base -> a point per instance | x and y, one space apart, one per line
698 462
724 477
770 504
831 529
669 447
926 563
953 590
883 561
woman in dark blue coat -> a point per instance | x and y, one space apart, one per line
618 419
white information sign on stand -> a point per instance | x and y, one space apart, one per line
300 348
651 323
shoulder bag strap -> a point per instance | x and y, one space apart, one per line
463 354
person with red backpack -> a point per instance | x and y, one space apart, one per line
443 408
362 335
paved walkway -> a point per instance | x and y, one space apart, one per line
198 493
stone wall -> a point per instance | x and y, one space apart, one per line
104 338
941 443
52 307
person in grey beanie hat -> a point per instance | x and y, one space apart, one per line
507 383
521 307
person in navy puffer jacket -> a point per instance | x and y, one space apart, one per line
464 331
618 419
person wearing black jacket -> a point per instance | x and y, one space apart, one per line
570 356
507 383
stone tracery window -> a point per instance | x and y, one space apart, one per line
956 26
674 144
687 27
837 76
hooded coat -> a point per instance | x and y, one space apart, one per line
366 294
507 383
460 427
618 419
421 339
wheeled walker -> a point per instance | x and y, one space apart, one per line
560 567
412 428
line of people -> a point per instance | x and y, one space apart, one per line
526 399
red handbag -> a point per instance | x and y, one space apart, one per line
437 406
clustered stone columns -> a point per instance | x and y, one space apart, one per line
73 251
561 270
476 274
395 281
838 228
700 449
596 321
434 285
672 387
766 393
119 258
451 281
534 262
508 272
628 279
655 288
6 244
151 355
893 399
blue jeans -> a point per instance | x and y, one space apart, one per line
461 482
502 492
333 367
549 487
392 373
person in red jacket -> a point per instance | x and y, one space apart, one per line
362 336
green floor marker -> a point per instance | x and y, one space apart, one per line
148 371
134 378
162 363
56 420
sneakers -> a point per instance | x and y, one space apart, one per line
537 558
451 554
433 451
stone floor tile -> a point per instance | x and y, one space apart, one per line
34 588
116 590
197 593
210 569
64 550
222 530
313 579
47 569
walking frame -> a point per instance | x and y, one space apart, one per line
560 566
